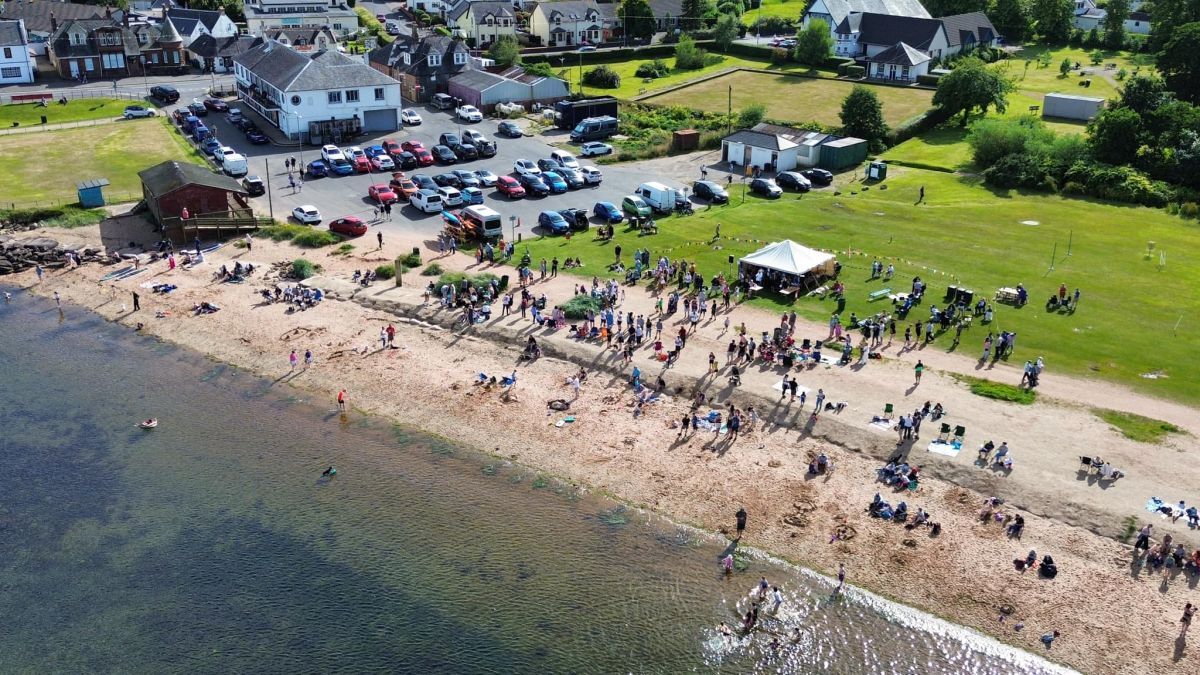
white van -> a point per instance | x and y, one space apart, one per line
565 159
659 197
427 200
487 221
235 165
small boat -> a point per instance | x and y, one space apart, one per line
149 424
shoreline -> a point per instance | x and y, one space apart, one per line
961 577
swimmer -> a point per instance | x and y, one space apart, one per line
725 630
763 586
329 472
778 598
7 296
727 563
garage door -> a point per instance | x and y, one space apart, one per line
379 120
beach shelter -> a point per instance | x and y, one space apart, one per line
789 257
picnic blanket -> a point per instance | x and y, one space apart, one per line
947 449
884 425
1154 505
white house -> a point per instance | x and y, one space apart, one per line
16 63
437 7
483 20
833 12
569 23
192 23
317 97
773 148
901 48
1089 16
265 15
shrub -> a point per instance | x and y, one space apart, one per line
1019 170
386 271
1189 210
432 270
479 281
1122 74
303 269
344 249
779 56
733 7
653 69
442 30
992 137
411 261
1116 183
1097 57
602 77
856 72
577 307
688 56
312 238
751 115
539 69
772 25
928 80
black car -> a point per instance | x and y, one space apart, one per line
791 179
254 185
818 176
465 178
257 137
464 151
198 109
165 93
577 219
443 154
710 191
447 180
424 182
533 185
245 124
547 165
405 160
449 139
510 129
766 187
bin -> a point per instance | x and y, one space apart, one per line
503 282
877 171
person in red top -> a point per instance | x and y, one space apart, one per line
342 400
391 334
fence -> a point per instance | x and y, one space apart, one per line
109 198
213 225
77 93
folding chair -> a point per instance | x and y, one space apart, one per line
959 432
887 408
944 434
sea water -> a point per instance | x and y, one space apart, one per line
213 544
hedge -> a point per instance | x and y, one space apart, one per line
1116 183
928 80
927 121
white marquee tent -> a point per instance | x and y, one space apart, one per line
789 257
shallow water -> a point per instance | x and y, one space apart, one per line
210 544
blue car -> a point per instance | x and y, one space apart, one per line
374 150
210 146
472 195
607 212
555 182
317 169
553 222
341 167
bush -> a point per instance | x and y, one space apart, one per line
751 115
577 307
387 271
688 56
1189 210
312 238
1020 171
540 69
772 25
479 281
432 270
928 80
602 77
856 72
411 261
303 269
1116 183
779 56
1122 74
733 7
993 137
653 69
442 30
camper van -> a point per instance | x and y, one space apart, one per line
235 165
486 222
658 196
594 129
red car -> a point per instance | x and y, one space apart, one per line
351 226
361 163
382 193
507 185
412 146
391 147
423 155
216 105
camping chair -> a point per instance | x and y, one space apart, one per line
959 432
944 434
887 409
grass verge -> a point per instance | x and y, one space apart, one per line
300 235
76 110
1137 428
998 390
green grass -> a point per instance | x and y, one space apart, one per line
1136 427
998 390
791 9
796 99
632 85
969 235
344 249
432 270
76 110
943 149
303 269
386 271
69 216
113 151
300 235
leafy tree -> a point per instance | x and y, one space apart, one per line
862 115
726 31
1114 135
1166 16
814 44
1053 19
540 69
1179 62
602 77
970 86
1064 67
1114 23
693 12
751 115
1144 95
505 51
653 69
233 8
687 55
952 7
637 18
1011 19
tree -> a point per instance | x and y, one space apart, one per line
539 69
687 55
726 31
1011 19
751 115
1064 67
1144 95
814 44
862 116
952 7
1053 18
1115 135
1179 62
970 86
693 12
1114 23
505 51
637 18
1166 16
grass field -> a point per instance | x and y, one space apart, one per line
76 110
791 9
796 99
972 236
42 168
632 85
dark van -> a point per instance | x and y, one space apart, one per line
594 129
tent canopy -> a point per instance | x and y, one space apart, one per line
789 257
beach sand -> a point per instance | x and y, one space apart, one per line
1113 618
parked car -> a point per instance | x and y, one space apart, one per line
564 159
234 116
254 185
180 115
595 148
465 152
197 108
360 161
553 222
818 176
317 169
405 160
533 184
607 212
403 187
510 129
766 187
486 178
793 179
216 104
573 177
427 201
341 166
242 123
472 195
306 215
382 162
450 196
391 147
547 165
210 146
223 152
635 206
257 137
444 179
235 164
165 93
382 193
485 147
331 152
591 175
577 219
554 181
466 178
468 113
449 138
507 185
444 155
710 192
442 101
424 182
138 111
410 117
525 166
351 226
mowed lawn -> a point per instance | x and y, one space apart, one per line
632 85
794 99
971 236
790 9
75 110
42 168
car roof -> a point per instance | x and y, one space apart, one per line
307 207
551 213
350 219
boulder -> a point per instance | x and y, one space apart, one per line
41 244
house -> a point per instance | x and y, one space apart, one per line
483 20
42 17
666 13
192 23
317 97
834 12
965 32
901 48
772 147
304 39
1088 16
265 15
213 54
16 63
899 63
435 7
423 66
161 47
570 23
484 90
172 186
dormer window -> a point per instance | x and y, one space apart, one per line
460 58
434 60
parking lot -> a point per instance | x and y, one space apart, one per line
337 196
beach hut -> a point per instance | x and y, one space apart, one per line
91 192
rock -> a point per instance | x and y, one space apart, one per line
40 244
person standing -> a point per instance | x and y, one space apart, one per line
308 358
777 597
683 426
379 238
741 521
1143 538
921 195
1186 622
917 370
820 400
196 243
293 359
341 400
137 304
717 232
57 299
249 243
39 271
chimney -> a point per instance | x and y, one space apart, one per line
53 22
107 12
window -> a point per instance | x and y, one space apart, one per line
351 96
435 60
108 39
337 26
88 65
335 97
460 58
9 73
112 61
378 93
8 52
76 39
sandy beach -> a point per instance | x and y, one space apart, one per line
1115 617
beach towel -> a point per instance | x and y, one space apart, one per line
884 425
947 449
